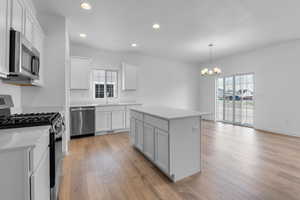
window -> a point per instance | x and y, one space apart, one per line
105 84
235 99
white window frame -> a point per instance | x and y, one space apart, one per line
93 82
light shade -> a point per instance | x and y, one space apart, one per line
156 26
217 70
204 71
86 5
83 35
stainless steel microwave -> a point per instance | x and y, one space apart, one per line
24 59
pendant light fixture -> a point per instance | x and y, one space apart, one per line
212 70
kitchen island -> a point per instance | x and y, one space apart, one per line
170 138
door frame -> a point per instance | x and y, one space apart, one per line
233 103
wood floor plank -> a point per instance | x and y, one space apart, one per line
237 163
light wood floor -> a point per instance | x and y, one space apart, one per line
238 164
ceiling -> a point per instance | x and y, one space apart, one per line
187 26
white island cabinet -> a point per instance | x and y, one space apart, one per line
170 138
24 169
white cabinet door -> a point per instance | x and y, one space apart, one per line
162 150
29 27
149 141
139 135
39 45
118 119
80 76
17 21
127 119
38 37
103 121
40 180
132 131
4 36
129 77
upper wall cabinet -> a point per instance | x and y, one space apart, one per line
4 36
20 16
18 13
29 25
80 73
129 77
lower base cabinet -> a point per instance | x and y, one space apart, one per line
139 135
112 118
39 181
25 173
118 119
103 121
132 135
162 150
149 141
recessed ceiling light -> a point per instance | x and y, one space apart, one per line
86 5
156 26
134 45
83 35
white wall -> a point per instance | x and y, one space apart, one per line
15 92
160 82
52 94
277 70
67 90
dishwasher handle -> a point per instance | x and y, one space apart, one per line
82 109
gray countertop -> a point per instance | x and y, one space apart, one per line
22 137
84 104
168 113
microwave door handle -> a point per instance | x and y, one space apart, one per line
32 65
37 66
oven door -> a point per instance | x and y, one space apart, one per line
56 157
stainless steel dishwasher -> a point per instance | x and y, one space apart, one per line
82 121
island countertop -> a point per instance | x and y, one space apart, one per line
168 113
22 137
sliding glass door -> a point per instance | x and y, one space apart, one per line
235 99
228 99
